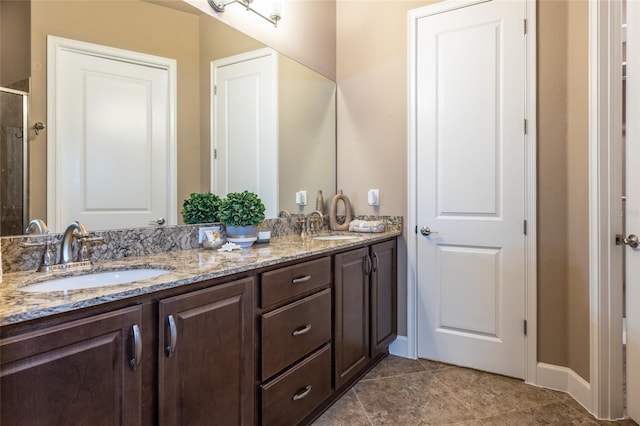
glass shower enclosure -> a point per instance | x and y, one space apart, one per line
14 135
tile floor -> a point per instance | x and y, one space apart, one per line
407 392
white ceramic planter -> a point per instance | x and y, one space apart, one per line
244 236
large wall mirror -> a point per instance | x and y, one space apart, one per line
172 29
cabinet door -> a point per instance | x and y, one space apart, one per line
384 295
351 314
78 373
206 363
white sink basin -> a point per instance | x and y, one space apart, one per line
98 279
335 237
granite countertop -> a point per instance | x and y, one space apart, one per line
186 267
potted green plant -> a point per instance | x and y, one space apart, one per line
200 207
241 213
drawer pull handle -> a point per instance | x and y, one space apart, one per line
301 279
302 393
302 330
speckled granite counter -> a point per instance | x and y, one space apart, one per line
186 267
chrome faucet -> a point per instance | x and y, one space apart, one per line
66 245
310 219
36 227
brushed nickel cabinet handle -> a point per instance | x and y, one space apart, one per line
302 330
173 336
137 347
367 265
301 279
302 393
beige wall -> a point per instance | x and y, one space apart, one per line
371 73
563 234
552 176
372 114
306 135
578 188
306 33
14 41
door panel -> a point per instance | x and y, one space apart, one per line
208 375
470 186
467 135
479 281
113 138
74 373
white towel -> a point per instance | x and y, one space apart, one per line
366 226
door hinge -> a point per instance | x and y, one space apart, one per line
525 327
524 26
525 126
215 90
524 226
215 154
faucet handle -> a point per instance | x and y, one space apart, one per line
84 241
47 256
92 239
47 260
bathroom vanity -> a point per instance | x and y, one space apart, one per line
269 335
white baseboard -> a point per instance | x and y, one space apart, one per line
400 347
566 380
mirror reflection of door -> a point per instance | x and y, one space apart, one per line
244 130
13 146
111 159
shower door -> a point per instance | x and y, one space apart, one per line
13 156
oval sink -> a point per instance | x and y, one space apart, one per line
98 279
335 237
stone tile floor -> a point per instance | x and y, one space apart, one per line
401 391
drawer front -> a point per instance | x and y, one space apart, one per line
293 331
290 397
291 281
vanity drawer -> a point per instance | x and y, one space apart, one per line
291 281
290 397
293 331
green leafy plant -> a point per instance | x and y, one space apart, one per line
200 207
241 209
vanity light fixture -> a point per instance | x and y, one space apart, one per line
275 13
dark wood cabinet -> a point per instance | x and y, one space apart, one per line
351 306
384 296
276 347
205 359
84 372
365 307
295 341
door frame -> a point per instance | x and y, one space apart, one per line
605 190
55 45
410 350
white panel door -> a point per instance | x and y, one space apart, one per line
244 133
633 209
112 133
471 186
